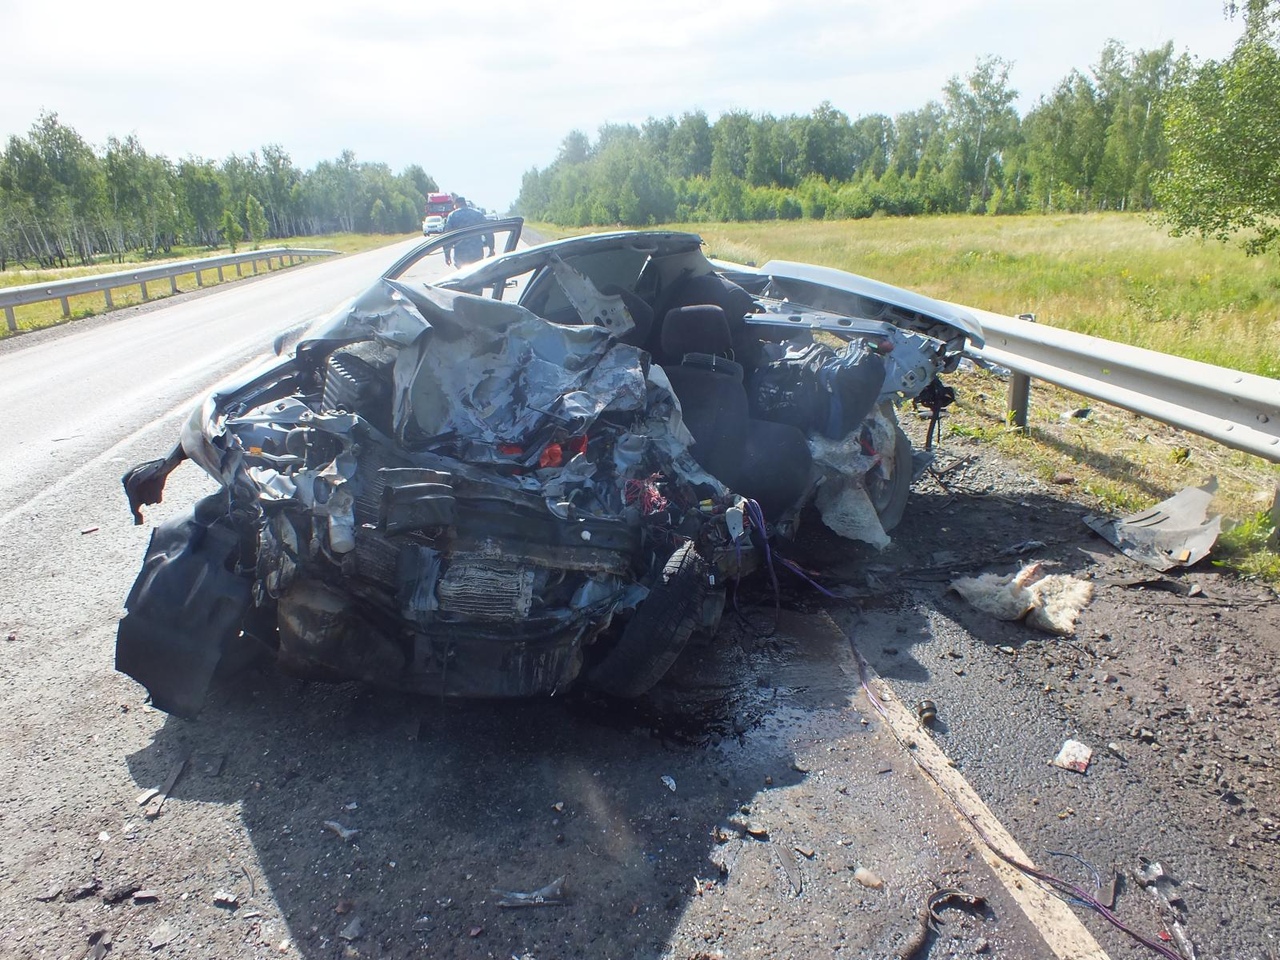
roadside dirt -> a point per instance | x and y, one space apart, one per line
785 780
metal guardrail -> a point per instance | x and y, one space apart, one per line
104 283
1239 410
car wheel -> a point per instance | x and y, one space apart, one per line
657 631
889 484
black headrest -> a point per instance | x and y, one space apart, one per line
701 328
707 288
711 288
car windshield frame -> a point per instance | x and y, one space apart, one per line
511 227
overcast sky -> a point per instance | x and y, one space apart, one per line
478 92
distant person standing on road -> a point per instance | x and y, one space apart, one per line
468 249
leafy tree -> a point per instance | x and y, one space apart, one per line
655 135
981 125
762 161
575 148
421 180
256 218
689 147
232 232
202 200
731 143
1223 129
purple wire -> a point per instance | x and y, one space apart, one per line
794 568
757 520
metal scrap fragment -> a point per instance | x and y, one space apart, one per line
161 935
786 859
552 895
85 889
99 945
121 892
1176 532
951 896
157 802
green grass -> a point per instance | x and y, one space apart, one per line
37 315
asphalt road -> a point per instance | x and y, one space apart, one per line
769 730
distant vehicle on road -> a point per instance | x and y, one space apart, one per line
432 224
438 205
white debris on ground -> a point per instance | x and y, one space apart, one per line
1051 603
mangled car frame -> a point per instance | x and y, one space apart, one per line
537 474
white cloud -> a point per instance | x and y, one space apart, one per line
477 93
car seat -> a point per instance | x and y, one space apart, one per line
733 300
768 462
709 386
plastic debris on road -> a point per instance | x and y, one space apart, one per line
868 878
1074 755
346 833
1051 603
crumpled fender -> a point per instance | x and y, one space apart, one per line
184 614
144 483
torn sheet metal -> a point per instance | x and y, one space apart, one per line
495 372
1177 532
842 499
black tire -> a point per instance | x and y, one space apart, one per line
889 493
658 631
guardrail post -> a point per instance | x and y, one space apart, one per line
220 276
239 272
254 264
12 320
66 307
106 295
199 279
1019 391
173 284
143 285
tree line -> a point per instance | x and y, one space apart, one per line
62 202
1094 143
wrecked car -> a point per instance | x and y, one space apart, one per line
538 474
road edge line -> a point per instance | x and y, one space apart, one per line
1058 926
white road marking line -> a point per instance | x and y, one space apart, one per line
1060 928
